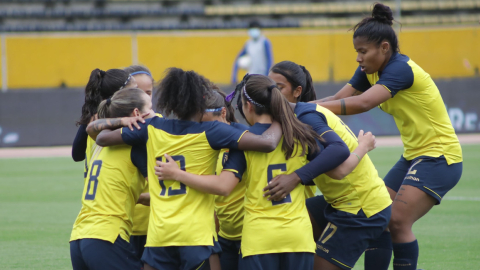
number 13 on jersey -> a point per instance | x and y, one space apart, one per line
172 192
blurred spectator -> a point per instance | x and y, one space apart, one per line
256 55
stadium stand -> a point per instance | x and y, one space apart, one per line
107 15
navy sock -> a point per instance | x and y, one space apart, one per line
405 256
379 253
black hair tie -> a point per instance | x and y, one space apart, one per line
102 73
271 87
109 100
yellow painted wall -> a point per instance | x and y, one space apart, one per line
211 56
47 60
445 53
308 49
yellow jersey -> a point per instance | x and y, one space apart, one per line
140 216
180 215
417 108
229 209
141 213
271 226
91 145
110 194
362 188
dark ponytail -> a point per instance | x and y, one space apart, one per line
101 85
378 27
182 93
217 100
297 75
122 103
262 93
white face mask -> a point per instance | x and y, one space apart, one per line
254 32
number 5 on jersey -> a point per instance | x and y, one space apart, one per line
172 192
282 168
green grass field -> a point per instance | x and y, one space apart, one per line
40 199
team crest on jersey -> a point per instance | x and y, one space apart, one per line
224 158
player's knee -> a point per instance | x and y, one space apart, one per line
399 223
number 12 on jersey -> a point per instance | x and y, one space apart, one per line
183 187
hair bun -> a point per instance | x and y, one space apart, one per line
382 13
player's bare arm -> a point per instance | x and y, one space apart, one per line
366 143
267 142
221 184
373 97
346 91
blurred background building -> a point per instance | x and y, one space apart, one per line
48 49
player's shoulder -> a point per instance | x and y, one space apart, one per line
302 108
398 64
239 126
258 128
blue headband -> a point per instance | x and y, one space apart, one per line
140 72
214 110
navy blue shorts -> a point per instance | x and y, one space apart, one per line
316 207
347 236
278 261
180 257
92 254
432 175
230 251
138 243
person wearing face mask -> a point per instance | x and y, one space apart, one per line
257 50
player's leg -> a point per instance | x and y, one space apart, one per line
410 204
316 208
379 252
322 264
425 184
214 262
296 261
229 255
347 236
76 256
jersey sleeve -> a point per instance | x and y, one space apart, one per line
316 120
359 81
236 163
221 135
136 136
396 76
138 155
333 152
79 145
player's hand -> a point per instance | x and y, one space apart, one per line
167 170
144 199
130 122
281 186
367 140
